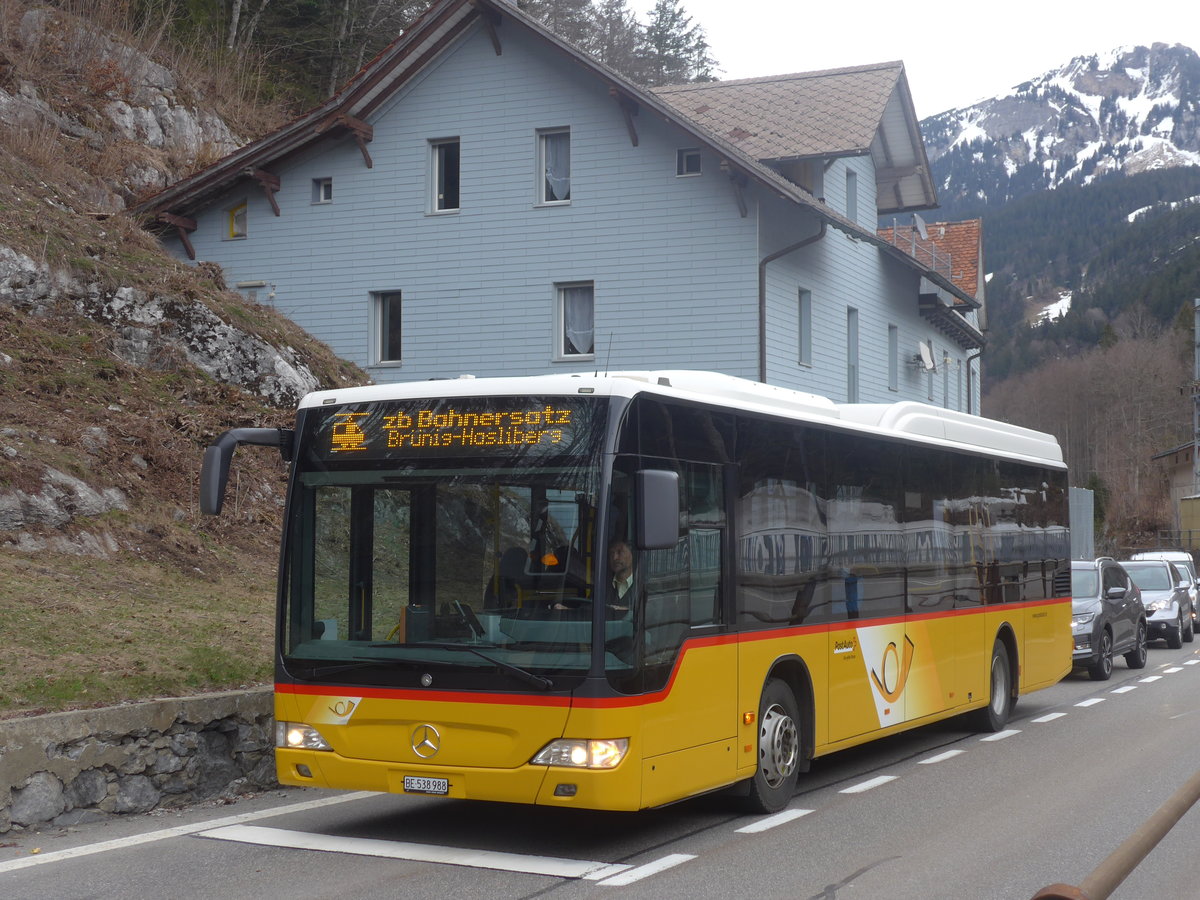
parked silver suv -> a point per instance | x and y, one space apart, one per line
1166 598
1184 563
1107 617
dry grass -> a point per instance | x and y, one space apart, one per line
186 602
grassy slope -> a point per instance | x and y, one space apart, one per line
185 603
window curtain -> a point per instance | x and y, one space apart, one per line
578 321
557 149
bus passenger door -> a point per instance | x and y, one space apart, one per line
690 663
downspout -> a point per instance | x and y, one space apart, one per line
970 386
762 295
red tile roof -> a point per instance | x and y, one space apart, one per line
955 249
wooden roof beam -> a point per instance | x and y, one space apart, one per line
739 182
629 109
491 21
363 132
182 226
270 184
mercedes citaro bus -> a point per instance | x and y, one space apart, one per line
807 576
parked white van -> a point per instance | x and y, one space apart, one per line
1185 563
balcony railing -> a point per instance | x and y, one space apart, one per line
924 252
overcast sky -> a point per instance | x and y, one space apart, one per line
954 52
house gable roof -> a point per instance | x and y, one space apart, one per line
852 111
435 31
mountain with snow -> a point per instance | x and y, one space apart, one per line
1131 110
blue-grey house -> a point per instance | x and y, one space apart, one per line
484 198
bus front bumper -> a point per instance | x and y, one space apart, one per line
613 789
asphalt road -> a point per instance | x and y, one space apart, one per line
937 813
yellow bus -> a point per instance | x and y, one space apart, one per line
803 577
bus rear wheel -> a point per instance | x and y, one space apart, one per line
774 780
994 716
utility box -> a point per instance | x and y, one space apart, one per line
1083 523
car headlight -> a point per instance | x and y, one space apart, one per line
1157 605
583 754
1082 619
296 736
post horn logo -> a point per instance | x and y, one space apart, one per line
895 670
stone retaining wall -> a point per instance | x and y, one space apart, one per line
74 767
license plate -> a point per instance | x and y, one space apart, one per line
416 785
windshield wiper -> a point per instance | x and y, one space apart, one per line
317 671
531 678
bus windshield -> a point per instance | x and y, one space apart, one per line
467 560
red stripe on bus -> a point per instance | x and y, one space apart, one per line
655 696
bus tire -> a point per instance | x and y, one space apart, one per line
779 750
994 716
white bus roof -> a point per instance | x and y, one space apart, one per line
904 419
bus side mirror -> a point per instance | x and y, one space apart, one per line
657 509
214 471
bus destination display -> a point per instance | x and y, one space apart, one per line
464 426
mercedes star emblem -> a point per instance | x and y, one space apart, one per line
426 741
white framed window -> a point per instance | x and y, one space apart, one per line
893 358
444 175
386 323
804 333
576 317
236 221
687 162
851 355
554 166
851 195
322 190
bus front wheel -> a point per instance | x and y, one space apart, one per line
774 780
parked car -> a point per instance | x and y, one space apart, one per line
1183 560
1165 596
1107 617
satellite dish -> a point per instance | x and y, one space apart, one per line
919 223
927 356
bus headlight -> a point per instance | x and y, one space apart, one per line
296 736
581 754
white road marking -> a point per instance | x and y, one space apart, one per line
179 831
659 865
869 784
941 757
1149 678
1001 735
1124 690
1192 662
1091 701
1049 717
780 818
454 856
1172 670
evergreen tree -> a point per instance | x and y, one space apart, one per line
572 20
617 36
674 51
